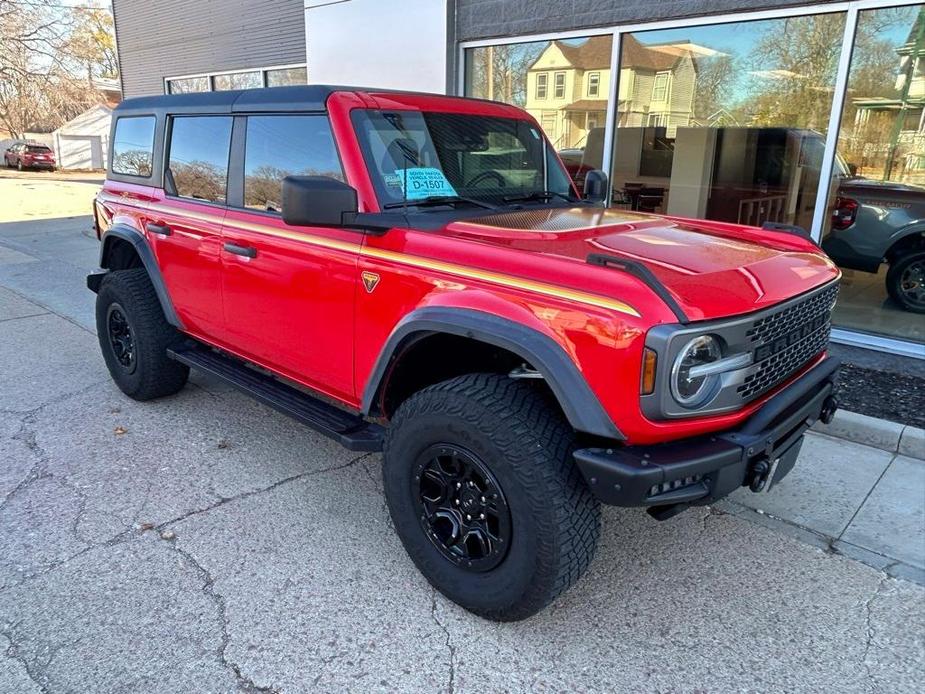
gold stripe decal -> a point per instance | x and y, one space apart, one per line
415 261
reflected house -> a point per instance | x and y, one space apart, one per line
569 83
888 138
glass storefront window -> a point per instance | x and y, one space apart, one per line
564 84
286 76
877 199
237 80
187 85
726 121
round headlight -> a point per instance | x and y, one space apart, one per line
692 390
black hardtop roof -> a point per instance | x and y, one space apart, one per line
312 97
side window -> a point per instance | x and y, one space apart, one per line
198 160
132 146
280 146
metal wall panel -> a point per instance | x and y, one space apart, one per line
169 38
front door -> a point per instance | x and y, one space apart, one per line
184 228
289 291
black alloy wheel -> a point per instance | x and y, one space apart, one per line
462 507
121 337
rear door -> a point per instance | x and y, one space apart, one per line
288 291
185 226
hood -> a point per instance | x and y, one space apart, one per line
711 269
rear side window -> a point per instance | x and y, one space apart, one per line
132 146
198 159
280 146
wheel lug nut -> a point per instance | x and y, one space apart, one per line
458 485
481 516
456 501
483 499
468 517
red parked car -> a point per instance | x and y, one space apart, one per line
417 275
30 155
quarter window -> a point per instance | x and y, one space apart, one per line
280 146
198 161
542 85
560 85
132 146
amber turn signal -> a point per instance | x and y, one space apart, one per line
647 383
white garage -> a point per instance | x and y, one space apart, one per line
82 143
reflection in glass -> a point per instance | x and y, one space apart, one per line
187 85
287 76
237 80
132 145
877 199
563 84
198 161
727 121
280 146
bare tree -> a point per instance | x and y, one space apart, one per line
44 56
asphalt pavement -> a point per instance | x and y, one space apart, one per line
204 543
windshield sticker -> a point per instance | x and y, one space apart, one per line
423 182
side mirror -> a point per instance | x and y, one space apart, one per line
595 185
318 201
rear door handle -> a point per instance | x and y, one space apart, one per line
161 229
246 251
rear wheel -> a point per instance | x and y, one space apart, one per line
485 496
905 281
134 336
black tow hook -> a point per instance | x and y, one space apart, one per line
758 474
829 408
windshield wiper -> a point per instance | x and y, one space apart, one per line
434 200
541 195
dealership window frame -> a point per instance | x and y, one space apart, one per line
210 76
850 8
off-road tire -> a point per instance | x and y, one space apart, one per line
894 279
518 433
154 374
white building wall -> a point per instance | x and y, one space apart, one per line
398 44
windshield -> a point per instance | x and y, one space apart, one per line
415 158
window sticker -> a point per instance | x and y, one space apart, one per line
423 182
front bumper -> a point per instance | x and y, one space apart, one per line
697 471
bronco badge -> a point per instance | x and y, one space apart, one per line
370 280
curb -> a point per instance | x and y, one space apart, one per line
878 433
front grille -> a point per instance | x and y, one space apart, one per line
784 322
787 340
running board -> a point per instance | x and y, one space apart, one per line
350 430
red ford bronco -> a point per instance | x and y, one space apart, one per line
417 275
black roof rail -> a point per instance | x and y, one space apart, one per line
643 273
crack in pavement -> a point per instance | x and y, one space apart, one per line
253 492
245 683
868 623
451 649
12 652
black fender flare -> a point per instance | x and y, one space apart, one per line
148 261
579 403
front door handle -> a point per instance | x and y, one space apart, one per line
246 251
161 229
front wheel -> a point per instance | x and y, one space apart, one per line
485 495
905 281
134 336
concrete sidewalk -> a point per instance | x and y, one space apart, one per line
863 501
